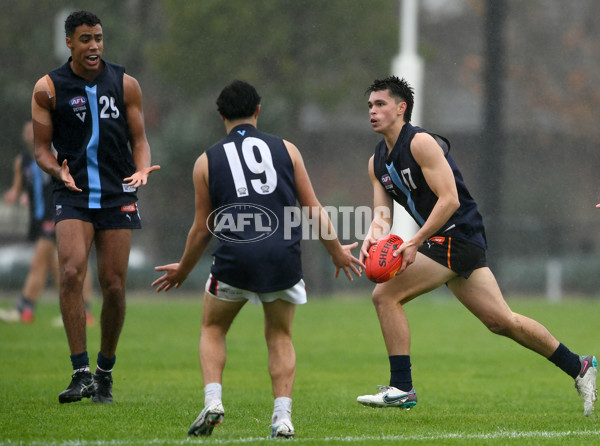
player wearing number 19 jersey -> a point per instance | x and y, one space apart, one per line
254 252
243 185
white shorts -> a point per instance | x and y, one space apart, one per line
295 295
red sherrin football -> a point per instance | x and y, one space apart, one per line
381 265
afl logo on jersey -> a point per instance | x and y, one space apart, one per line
386 180
77 101
242 223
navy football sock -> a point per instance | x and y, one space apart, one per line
566 360
105 365
24 303
400 373
80 362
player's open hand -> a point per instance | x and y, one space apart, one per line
67 179
171 278
346 261
140 178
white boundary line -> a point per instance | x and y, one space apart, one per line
497 435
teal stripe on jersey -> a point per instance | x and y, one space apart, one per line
39 207
398 182
92 152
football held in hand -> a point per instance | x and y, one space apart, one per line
381 265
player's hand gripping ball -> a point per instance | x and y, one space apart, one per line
381 265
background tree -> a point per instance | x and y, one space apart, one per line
312 61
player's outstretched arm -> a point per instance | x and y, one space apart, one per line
341 255
383 206
12 195
198 236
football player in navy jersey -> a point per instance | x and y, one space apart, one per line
244 185
414 168
38 187
90 112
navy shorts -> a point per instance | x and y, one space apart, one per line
120 217
461 257
41 229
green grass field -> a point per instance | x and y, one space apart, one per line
474 387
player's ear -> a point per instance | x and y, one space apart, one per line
401 107
257 111
68 42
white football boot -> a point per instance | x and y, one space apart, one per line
585 383
10 316
211 416
283 429
390 397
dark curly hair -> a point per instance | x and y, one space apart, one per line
399 89
238 100
79 18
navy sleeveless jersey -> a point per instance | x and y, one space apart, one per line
401 176
252 188
38 185
91 133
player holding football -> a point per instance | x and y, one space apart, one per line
414 168
249 170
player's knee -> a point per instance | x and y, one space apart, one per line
381 299
71 277
213 330
377 297
112 288
499 326
278 333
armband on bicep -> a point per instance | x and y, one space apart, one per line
43 101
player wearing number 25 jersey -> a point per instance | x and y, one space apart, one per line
91 112
90 132
254 251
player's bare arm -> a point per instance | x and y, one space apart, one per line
341 255
383 212
438 174
132 94
11 196
43 103
198 236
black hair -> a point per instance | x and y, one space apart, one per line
399 88
79 18
238 100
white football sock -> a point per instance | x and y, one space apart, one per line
212 393
282 410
